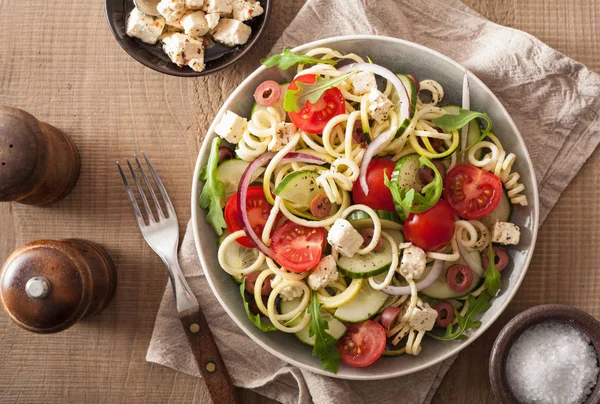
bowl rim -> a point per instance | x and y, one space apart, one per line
509 334
245 48
400 372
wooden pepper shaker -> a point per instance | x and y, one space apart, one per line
39 164
47 286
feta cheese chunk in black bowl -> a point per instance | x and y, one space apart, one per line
188 38
547 354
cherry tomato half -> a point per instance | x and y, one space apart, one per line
297 248
432 229
312 118
258 213
362 344
472 193
380 196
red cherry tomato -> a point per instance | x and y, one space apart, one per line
258 213
380 196
501 259
267 93
446 314
472 193
297 248
432 229
312 118
362 344
459 277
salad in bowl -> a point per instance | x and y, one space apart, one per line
359 211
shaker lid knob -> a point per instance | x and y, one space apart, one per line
37 287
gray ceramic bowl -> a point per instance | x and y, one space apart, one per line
525 320
400 56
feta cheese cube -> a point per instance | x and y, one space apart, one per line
413 263
323 274
505 233
378 105
231 127
244 10
283 133
197 64
144 27
344 238
363 82
223 7
231 32
172 10
212 19
423 319
195 24
287 293
182 49
194 4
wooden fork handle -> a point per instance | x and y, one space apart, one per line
209 360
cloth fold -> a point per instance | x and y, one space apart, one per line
554 101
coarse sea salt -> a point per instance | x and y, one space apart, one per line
552 363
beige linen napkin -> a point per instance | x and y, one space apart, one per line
554 101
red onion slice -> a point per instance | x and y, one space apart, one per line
389 316
374 146
245 183
424 283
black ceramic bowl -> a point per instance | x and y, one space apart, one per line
216 56
528 318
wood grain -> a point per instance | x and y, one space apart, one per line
59 61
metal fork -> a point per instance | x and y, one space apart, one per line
161 232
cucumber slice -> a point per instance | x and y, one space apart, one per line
363 306
440 289
412 95
374 263
335 329
299 187
474 129
406 172
230 173
278 104
501 213
237 255
473 260
389 220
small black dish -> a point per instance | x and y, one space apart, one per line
216 56
525 320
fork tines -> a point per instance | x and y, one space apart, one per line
147 210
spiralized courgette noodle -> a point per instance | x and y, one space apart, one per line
343 156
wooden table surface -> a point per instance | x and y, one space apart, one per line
59 61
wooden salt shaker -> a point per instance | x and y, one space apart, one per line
46 286
39 164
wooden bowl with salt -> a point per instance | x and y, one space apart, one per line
529 318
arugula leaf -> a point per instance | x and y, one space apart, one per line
255 318
213 191
295 100
408 200
450 122
324 343
476 305
287 59
492 275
